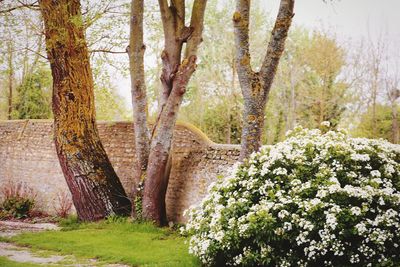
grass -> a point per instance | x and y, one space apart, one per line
114 242
8 263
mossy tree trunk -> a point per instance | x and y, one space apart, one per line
154 154
256 86
96 189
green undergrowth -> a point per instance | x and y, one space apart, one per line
8 263
115 240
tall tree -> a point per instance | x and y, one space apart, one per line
256 85
153 150
95 187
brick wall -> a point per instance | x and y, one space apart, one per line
27 155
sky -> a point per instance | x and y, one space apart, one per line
354 19
349 20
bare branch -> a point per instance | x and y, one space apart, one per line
106 51
36 53
241 23
177 9
276 44
165 12
33 6
196 25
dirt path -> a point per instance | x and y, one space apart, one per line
11 228
24 255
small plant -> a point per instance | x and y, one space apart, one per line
116 219
18 200
64 204
71 222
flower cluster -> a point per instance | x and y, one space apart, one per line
316 199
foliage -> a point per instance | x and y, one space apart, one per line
383 123
109 104
34 96
130 243
316 199
18 200
309 87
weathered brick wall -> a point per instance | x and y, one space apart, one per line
27 155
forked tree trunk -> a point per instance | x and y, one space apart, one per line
156 182
256 85
95 187
154 154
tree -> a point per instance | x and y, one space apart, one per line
213 101
382 123
323 92
153 149
256 85
95 187
33 100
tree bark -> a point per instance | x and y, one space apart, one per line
175 76
256 85
95 187
136 51
10 79
156 182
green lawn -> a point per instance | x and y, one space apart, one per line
4 262
123 242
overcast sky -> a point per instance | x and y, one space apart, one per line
348 19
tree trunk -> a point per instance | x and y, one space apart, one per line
257 85
174 79
136 51
10 79
95 187
253 125
156 182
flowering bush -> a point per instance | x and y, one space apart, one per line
316 199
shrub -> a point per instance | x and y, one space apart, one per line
64 207
316 199
18 200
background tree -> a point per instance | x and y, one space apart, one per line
95 187
256 85
34 93
22 28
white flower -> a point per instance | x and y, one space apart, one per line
360 157
326 124
280 171
355 211
361 228
283 213
375 173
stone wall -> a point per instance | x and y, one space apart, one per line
27 154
